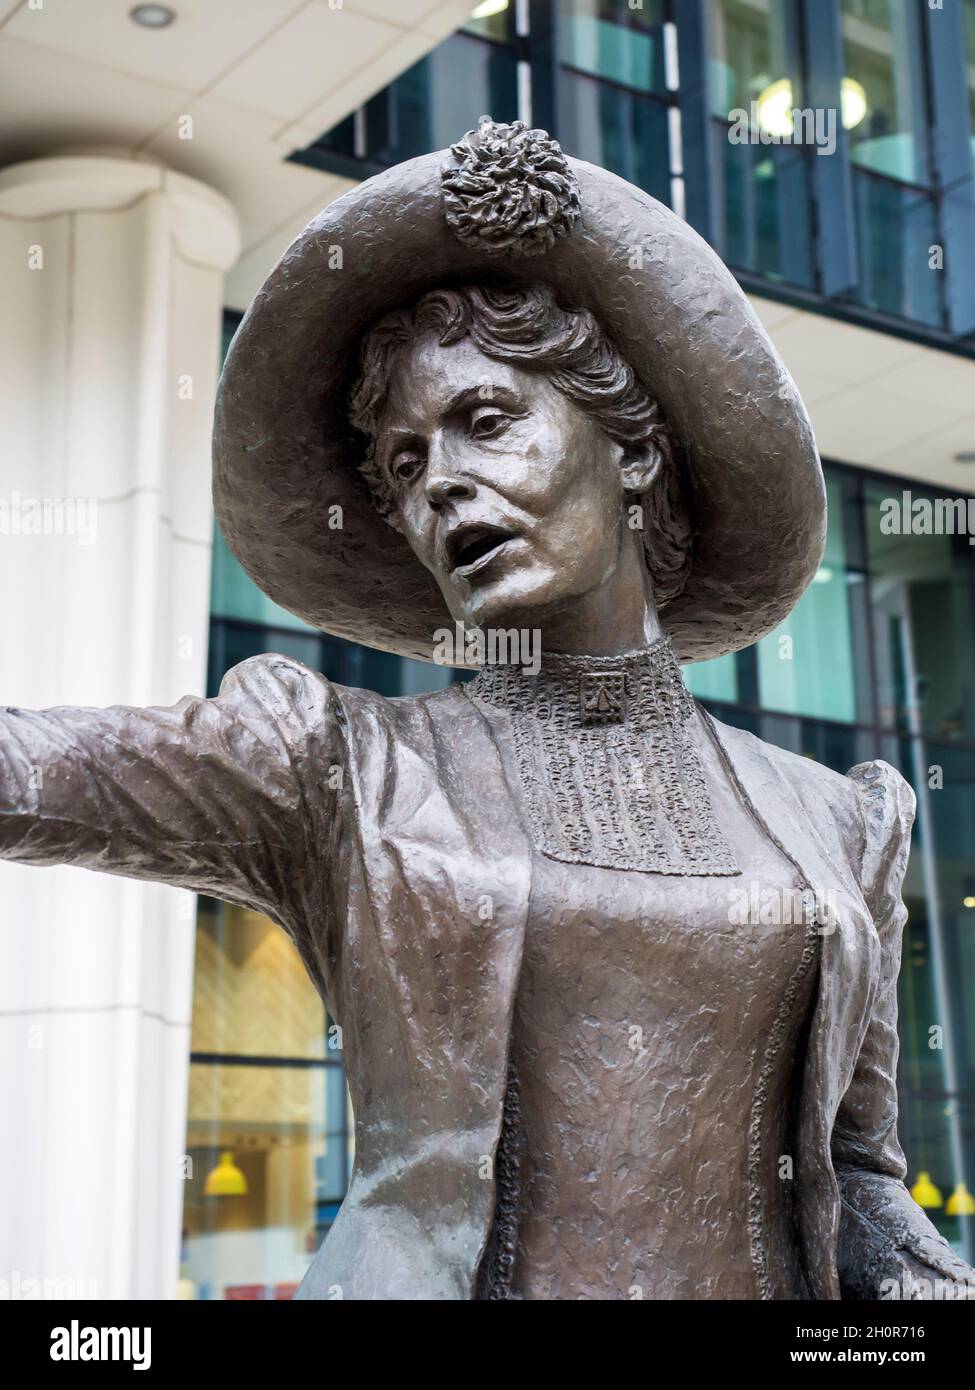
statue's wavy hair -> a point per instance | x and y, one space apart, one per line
527 327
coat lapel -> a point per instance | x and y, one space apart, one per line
436 880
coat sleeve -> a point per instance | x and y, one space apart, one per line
224 796
884 1235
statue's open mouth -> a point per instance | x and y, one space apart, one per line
470 547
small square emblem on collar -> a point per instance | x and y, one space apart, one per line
602 697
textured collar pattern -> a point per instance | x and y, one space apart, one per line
607 761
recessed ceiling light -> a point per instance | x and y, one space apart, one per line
152 16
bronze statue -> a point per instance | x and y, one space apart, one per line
504 390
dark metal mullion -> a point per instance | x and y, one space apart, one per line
877 731
921 189
795 214
540 51
868 608
878 176
663 100
247 1059
690 17
860 315
944 48
832 182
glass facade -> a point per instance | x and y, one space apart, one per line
876 660
613 94
760 193
896 213
722 108
267 1102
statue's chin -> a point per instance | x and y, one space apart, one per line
501 613
520 599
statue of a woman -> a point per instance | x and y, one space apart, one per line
504 390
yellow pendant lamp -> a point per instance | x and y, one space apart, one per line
925 1193
226 1180
961 1202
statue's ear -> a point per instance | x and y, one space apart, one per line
640 466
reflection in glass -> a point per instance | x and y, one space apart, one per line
925 1132
490 20
951 806
256 1243
713 680
896 230
762 208
882 52
923 617
251 992
445 93
748 52
760 193
233 594
267 1127
604 38
430 104
806 665
620 130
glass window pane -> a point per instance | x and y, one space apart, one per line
760 192
761 207
838 746
896 227
257 1140
443 95
490 19
233 642
713 680
606 39
882 58
806 665
251 993
950 806
431 104
233 594
624 132
748 53
937 980
923 614
924 1130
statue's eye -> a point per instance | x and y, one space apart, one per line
487 421
406 465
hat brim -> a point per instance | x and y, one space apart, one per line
284 454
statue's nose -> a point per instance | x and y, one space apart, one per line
446 480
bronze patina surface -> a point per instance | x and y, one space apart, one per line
582 1065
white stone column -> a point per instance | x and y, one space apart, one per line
111 275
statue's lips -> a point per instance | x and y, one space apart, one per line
472 548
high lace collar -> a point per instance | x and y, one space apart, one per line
607 760
637 690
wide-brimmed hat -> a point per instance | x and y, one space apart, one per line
505 203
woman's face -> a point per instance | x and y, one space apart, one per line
507 492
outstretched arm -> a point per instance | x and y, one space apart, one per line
884 1235
225 796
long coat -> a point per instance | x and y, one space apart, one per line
374 831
